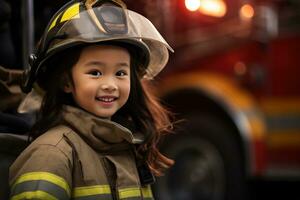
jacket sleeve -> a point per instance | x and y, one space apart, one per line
41 172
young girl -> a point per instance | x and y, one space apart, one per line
97 133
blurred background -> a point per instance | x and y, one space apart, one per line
233 86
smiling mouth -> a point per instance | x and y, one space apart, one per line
106 99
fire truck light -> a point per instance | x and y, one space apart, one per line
214 8
246 11
192 5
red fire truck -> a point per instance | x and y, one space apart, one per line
233 84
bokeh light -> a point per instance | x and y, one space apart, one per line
192 5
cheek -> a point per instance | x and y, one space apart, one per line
83 88
86 90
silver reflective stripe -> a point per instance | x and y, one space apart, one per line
42 176
35 195
40 185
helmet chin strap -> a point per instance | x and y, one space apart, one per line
28 77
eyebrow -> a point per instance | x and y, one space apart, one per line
99 63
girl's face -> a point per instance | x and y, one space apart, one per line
101 79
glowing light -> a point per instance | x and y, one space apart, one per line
246 11
215 8
240 68
192 5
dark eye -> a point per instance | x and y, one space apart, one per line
95 73
121 73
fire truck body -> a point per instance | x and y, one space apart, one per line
233 85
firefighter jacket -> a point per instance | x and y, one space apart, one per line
90 158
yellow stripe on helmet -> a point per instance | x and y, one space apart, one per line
53 23
34 195
46 176
71 13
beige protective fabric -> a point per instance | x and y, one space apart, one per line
79 160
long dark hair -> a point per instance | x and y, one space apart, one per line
142 112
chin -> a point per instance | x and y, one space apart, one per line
104 116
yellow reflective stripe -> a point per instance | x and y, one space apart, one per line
147 192
46 176
34 195
71 12
129 192
53 23
91 190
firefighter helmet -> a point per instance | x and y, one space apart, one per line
96 21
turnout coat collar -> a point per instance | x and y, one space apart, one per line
101 134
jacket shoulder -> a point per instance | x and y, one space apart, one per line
50 152
53 136
52 139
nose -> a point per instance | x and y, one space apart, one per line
109 85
